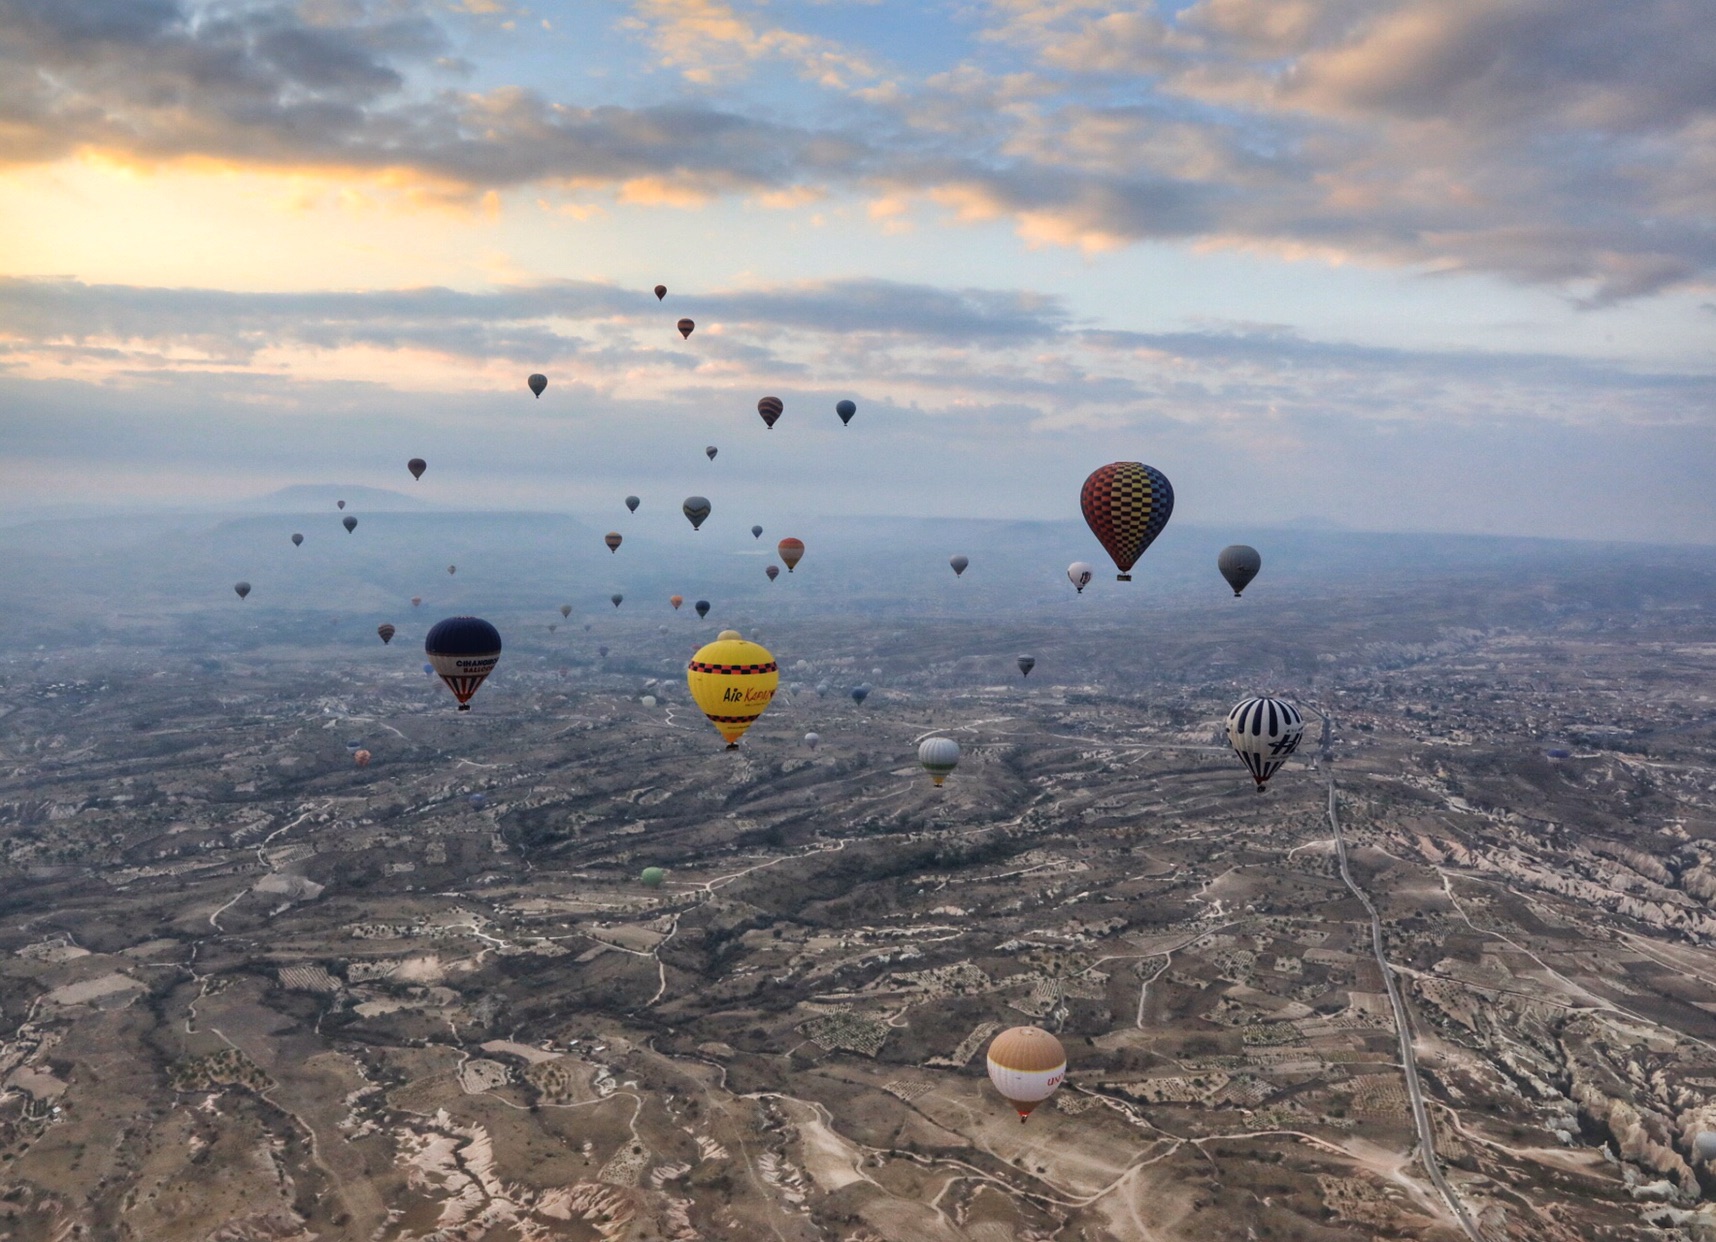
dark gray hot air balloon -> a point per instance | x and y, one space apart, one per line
349 522
1026 664
1239 565
566 610
860 692
959 563
632 503
417 466
709 451
770 408
756 532
297 540
243 589
702 607
846 410
618 599
339 504
537 383
773 571
696 510
603 651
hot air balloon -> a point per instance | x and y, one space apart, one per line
387 632
416 601
756 532
617 599
464 651
822 689
648 700
452 569
417 466
478 802
939 755
709 451
632 503
791 551
702 607
770 408
297 540
696 510
773 571
243 589
652 877
1080 574
732 681
428 670
354 744
1026 1064
361 758
1026 664
602 651
612 539
566 610
1263 733
537 384
339 504
676 601
1126 504
552 626
812 740
685 326
349 522
860 692
846 410
660 292
959 564
1239 565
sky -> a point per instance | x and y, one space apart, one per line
1426 265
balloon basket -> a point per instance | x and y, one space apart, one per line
464 707
1119 578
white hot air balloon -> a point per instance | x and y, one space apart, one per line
939 755
1080 574
812 740
1263 733
1027 1065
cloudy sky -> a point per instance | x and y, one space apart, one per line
1391 264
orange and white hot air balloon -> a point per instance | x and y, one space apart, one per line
791 551
676 601
1027 1066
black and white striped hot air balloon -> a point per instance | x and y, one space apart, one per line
1263 733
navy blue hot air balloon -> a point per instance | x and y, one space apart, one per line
464 651
860 692
846 410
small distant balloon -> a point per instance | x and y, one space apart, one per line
612 539
773 571
756 532
860 692
297 540
1026 664
660 292
602 651
939 757
387 632
651 877
243 589
428 670
354 744
702 607
959 564
339 504
676 601
1080 574
632 503
685 326
1239 565
552 626
617 599
478 802
452 569
537 383
846 410
648 700
709 451
361 758
349 522
770 408
416 601
822 689
812 740
417 466
566 610
696 510
791 551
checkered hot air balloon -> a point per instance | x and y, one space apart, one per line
1126 504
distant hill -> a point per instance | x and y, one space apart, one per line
313 497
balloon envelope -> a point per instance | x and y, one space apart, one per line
696 510
632 503
1026 664
1027 1065
756 532
612 539
791 551
733 681
959 564
478 802
846 410
617 599
361 758
1079 574
1126 504
860 692
702 607
417 466
566 610
339 504
1239 565
349 522
464 651
812 740
773 571
416 601
676 601
387 632
685 326
1263 733
243 589
939 756
452 569
297 540
660 292
652 877
709 451
770 408
537 383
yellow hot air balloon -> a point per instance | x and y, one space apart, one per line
732 681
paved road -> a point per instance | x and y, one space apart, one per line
1414 1092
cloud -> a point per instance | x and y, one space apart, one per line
709 41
